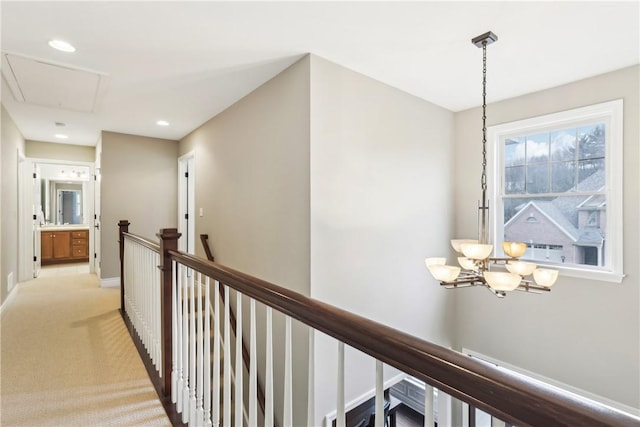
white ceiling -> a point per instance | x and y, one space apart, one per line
185 62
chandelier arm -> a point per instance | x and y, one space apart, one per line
470 281
527 286
455 286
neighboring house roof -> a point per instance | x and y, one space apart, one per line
563 211
554 215
569 205
594 182
595 202
590 237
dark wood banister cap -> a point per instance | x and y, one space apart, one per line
506 395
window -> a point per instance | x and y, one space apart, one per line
560 189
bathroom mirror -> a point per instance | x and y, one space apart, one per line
62 194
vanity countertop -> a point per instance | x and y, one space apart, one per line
66 227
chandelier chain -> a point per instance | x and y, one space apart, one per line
484 116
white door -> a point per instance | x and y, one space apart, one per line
38 219
96 222
25 219
186 203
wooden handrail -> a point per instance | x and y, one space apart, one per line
142 241
505 395
204 238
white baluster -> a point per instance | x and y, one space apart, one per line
379 394
200 351
239 401
185 347
495 422
340 406
311 399
129 289
134 292
158 312
253 366
268 382
287 416
428 406
144 296
179 341
207 354
226 415
150 300
174 335
215 404
192 348
150 297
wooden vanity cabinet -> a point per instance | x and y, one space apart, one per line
64 246
79 244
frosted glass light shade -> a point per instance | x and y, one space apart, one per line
476 250
501 281
434 261
514 249
545 277
521 267
455 243
467 263
444 273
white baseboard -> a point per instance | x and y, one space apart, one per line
110 282
9 299
331 416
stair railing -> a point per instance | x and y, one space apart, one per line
204 238
194 285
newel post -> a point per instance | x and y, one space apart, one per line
124 228
168 242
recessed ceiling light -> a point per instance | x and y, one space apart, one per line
61 136
162 123
62 45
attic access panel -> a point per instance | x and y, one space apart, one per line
38 82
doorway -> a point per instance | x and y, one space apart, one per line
54 194
186 203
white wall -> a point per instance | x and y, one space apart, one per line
380 203
11 142
139 184
584 333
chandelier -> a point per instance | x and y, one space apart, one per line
475 255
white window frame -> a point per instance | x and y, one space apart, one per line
612 114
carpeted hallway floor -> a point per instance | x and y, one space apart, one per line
68 360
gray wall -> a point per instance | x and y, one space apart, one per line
380 203
324 181
55 151
252 182
139 184
11 143
584 333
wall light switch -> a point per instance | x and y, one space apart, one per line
201 212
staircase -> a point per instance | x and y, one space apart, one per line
175 335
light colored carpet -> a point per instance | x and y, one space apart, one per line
68 360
